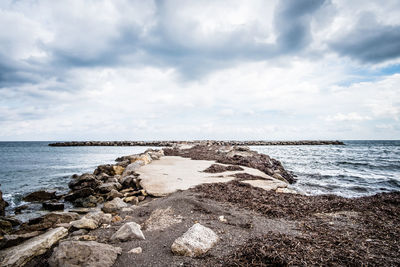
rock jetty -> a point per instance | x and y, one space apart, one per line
220 206
204 142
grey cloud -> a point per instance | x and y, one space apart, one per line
292 23
369 41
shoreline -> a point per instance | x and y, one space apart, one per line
254 225
212 142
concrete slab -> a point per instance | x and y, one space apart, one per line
170 173
266 185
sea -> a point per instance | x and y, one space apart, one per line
356 169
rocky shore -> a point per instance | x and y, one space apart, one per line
205 142
199 205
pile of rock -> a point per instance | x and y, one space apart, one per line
214 142
111 181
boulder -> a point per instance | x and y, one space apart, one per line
48 220
21 254
195 242
3 204
131 168
40 195
114 205
131 181
12 220
85 223
107 187
118 170
83 181
100 217
84 253
88 202
81 193
107 169
53 206
128 231
13 240
137 250
113 194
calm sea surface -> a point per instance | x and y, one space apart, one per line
357 169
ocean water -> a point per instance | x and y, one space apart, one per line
359 168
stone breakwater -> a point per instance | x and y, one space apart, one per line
205 142
237 211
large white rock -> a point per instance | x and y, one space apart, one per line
114 205
84 253
196 241
21 254
128 231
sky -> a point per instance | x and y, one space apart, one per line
177 70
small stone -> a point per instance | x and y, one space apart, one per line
137 250
79 232
116 219
222 219
132 199
141 198
128 231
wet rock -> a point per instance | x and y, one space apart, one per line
21 254
128 231
13 240
114 205
3 204
81 193
19 209
89 253
40 195
47 221
53 206
81 210
86 180
195 242
85 223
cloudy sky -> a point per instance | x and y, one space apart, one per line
144 70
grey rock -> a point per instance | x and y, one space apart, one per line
114 205
21 254
195 242
84 253
100 217
107 187
13 240
128 231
